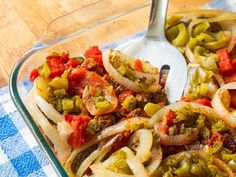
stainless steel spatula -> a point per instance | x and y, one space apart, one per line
155 48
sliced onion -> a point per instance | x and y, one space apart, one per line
100 171
88 99
134 164
145 139
178 140
95 155
125 81
219 106
61 147
232 42
190 56
107 132
90 84
195 107
219 79
87 162
64 129
156 158
48 110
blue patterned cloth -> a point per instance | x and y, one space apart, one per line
20 154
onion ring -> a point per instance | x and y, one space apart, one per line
218 105
195 107
135 165
125 81
178 140
145 143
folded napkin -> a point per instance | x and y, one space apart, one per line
20 154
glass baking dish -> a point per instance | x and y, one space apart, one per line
75 32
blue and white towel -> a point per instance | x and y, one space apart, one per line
20 154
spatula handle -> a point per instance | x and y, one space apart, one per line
156 29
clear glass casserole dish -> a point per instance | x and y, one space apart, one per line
75 32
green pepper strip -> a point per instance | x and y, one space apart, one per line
201 28
182 37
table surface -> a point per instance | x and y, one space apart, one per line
23 21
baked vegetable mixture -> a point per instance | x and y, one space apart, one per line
106 113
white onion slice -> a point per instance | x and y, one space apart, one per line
134 164
218 105
87 162
61 147
219 79
156 158
190 56
48 109
94 155
89 94
232 42
125 81
100 171
145 144
107 132
64 129
195 107
178 140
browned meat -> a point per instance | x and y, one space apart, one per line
229 141
137 112
100 122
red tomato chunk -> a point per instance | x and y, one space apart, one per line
79 124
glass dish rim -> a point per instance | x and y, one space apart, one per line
18 102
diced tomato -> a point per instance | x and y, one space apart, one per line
76 86
123 95
202 101
234 62
95 80
225 64
89 64
167 121
72 63
77 73
34 74
164 128
93 50
138 66
56 67
95 53
215 137
63 58
79 124
53 57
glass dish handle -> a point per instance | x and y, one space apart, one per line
84 18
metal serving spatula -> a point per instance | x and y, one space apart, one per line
155 48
